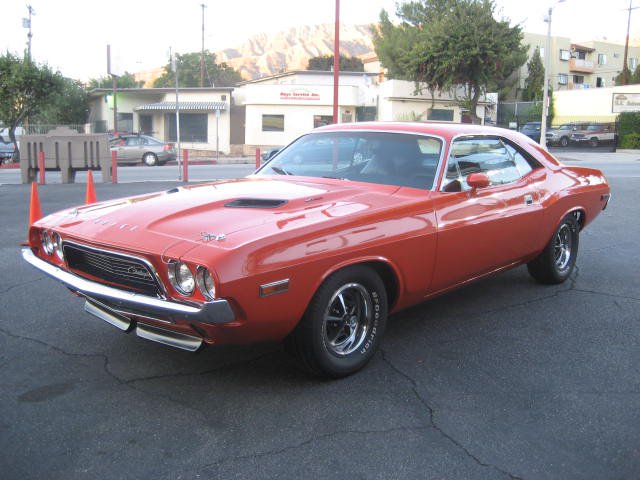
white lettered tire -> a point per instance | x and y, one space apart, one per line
343 324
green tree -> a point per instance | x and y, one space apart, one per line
536 111
219 75
632 77
325 63
25 88
535 80
125 81
69 106
450 45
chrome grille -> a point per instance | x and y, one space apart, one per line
113 268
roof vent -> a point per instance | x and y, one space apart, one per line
255 203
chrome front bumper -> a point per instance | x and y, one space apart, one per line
128 303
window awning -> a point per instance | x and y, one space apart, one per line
171 106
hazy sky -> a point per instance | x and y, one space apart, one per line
71 35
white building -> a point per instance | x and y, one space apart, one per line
270 111
282 107
204 114
399 101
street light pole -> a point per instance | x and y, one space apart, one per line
202 51
545 91
26 22
174 67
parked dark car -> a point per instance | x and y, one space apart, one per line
531 130
7 150
136 148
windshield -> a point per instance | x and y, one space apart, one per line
374 157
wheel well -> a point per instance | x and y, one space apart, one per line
579 216
388 277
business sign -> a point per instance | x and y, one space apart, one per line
625 102
299 94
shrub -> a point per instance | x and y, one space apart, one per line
629 122
632 141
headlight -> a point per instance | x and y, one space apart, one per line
57 245
47 243
181 278
206 284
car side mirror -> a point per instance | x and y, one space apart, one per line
478 180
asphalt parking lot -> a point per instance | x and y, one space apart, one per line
502 379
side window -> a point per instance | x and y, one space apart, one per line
501 162
521 162
133 141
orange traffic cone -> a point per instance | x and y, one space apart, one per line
35 213
91 193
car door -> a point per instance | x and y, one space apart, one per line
483 229
130 150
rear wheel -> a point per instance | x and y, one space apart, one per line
342 326
150 159
593 142
556 262
564 141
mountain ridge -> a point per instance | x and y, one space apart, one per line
265 54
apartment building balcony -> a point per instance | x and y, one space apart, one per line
579 65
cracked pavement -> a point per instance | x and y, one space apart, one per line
502 379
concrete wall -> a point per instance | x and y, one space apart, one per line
594 104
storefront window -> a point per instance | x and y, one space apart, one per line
273 123
440 114
322 120
193 127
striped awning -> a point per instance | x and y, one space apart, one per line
171 106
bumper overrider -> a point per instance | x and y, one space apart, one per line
117 307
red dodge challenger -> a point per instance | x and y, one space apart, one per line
340 228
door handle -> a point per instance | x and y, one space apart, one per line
528 199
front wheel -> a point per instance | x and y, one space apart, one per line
564 141
556 262
593 142
342 326
150 159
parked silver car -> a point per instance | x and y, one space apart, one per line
7 150
561 136
135 148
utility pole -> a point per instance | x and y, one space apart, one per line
336 62
625 68
26 23
202 51
113 71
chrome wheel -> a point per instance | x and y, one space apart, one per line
562 247
555 263
347 319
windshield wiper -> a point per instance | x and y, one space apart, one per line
280 171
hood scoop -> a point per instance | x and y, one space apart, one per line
255 203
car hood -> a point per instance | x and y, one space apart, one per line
236 211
